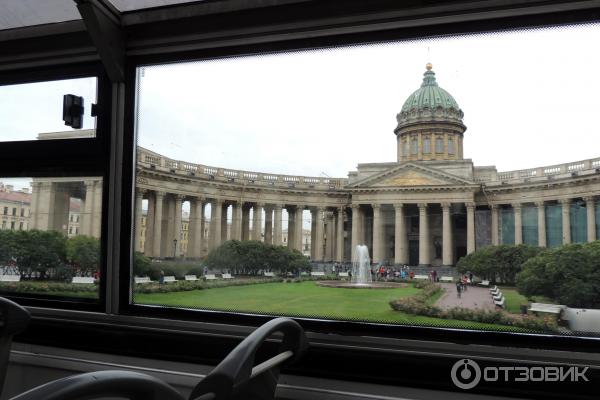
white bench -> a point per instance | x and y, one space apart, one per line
484 283
210 277
343 274
547 308
317 273
498 296
494 289
142 279
191 278
227 276
303 273
10 278
82 279
495 292
499 303
446 279
169 278
422 277
270 274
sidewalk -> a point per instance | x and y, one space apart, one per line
474 297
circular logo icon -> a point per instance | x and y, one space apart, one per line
465 374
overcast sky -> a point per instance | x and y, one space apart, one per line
530 98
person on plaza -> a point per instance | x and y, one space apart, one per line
161 278
471 278
458 288
434 275
412 275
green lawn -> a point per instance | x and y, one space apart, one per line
303 299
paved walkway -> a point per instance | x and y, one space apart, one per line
473 297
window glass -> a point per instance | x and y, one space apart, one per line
260 183
439 145
35 110
39 254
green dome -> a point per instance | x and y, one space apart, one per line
429 96
429 104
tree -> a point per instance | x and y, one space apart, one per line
83 253
141 264
38 251
502 262
569 275
251 257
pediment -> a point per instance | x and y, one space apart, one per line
411 175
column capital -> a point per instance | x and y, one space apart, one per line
564 201
217 201
158 193
140 192
493 206
516 206
446 205
300 207
321 208
589 199
398 206
376 206
470 206
278 207
422 205
355 206
260 204
178 196
341 209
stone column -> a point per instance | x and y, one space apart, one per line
257 222
447 240
355 229
329 238
88 209
470 227
150 218
377 234
313 233
518 223
278 227
158 216
424 246
224 235
177 230
591 218
541 212
319 235
215 223
339 247
236 220
139 196
97 210
566 220
204 241
401 241
298 228
495 238
195 229
245 222
291 227
268 225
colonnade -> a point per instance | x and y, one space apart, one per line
440 242
163 220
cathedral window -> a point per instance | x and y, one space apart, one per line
426 145
415 145
450 146
439 145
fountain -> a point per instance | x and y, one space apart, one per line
361 277
361 266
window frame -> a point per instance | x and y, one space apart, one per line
382 343
65 157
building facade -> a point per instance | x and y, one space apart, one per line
429 207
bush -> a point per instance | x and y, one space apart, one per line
569 275
502 262
197 285
418 305
252 257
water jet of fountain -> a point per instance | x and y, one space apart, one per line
361 266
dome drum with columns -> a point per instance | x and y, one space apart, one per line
430 124
427 208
